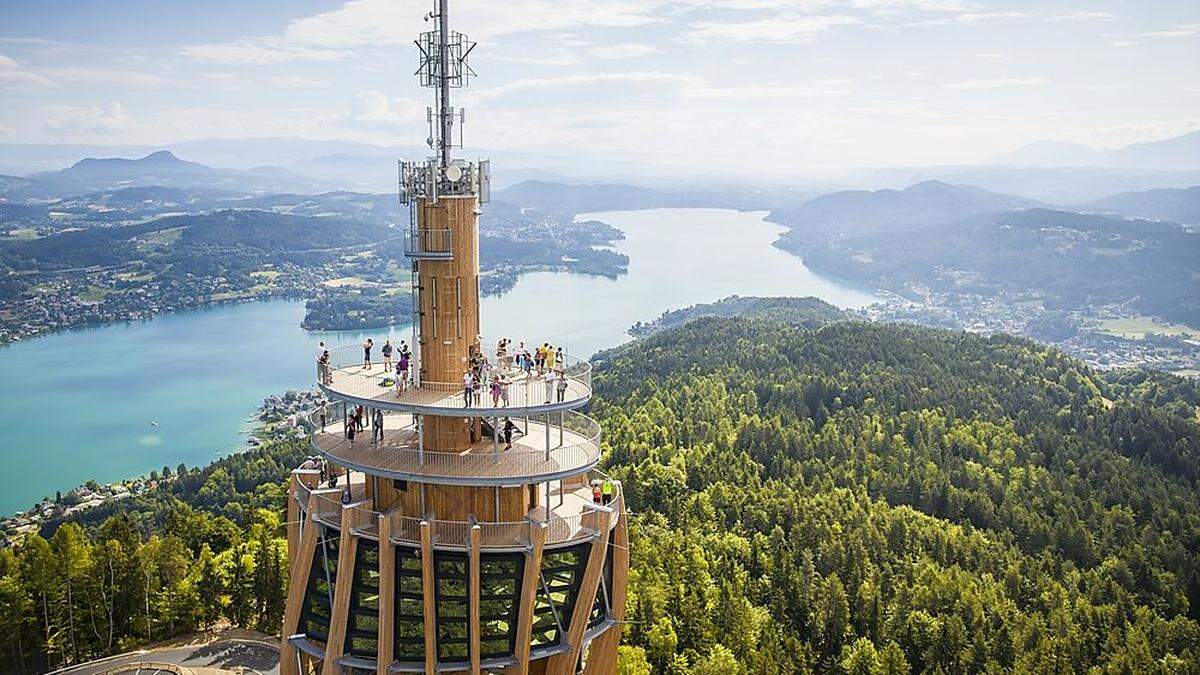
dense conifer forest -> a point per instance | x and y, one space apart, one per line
873 498
855 498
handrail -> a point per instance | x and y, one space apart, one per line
345 376
455 534
425 241
578 446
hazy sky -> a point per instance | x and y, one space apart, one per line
820 83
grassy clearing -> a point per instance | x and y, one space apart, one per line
95 294
342 282
22 234
266 275
161 237
1135 328
134 276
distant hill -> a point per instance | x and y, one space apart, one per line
1171 154
1180 205
961 240
922 205
160 168
805 312
1053 185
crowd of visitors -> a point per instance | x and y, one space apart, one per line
511 364
515 364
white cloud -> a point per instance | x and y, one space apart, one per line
13 74
970 18
111 76
85 122
629 84
1181 30
259 51
773 29
997 83
375 110
628 50
359 24
1083 15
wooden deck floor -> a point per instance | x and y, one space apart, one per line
398 455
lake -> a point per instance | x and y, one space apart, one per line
117 401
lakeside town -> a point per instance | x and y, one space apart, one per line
1105 338
280 417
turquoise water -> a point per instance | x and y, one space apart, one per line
117 401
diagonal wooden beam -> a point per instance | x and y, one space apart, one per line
564 663
602 655
427 598
301 567
385 643
473 598
529 588
340 616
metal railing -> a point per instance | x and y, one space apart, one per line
566 442
422 242
455 534
346 376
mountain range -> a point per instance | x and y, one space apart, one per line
1170 154
1180 205
159 168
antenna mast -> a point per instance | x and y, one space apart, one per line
444 67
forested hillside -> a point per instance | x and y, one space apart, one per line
856 498
873 498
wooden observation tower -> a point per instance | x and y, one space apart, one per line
443 533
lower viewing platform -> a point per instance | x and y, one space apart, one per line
565 522
557 446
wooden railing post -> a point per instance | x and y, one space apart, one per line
386 640
427 598
530 581
340 615
473 580
300 568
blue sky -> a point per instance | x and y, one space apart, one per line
815 83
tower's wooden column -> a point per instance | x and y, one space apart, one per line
449 310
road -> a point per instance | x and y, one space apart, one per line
224 654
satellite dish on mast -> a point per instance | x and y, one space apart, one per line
453 173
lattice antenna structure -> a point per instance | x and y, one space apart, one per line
444 66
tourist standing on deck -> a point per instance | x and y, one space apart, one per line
539 359
560 358
549 357
495 391
387 355
367 353
562 386
606 491
401 373
504 390
549 387
508 430
324 371
468 388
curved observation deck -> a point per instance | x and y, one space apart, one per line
566 522
541 451
528 394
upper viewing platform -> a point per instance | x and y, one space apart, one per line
347 378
